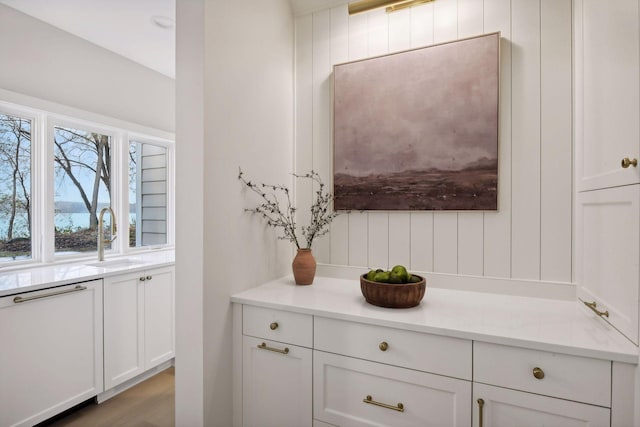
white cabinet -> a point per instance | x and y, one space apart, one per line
138 323
524 387
159 316
532 361
350 392
51 357
500 407
607 135
607 105
370 375
276 373
608 254
276 384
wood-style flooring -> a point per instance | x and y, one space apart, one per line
148 404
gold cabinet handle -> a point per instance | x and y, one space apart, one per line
592 306
383 346
264 346
626 162
273 326
480 412
149 277
142 279
18 300
399 407
538 373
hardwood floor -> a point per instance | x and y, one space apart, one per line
148 404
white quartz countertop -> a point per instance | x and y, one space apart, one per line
550 325
47 276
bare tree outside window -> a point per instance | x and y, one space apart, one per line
15 188
82 163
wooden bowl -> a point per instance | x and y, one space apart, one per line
391 295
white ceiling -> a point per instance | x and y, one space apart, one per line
125 26
122 26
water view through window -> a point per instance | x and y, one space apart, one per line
82 187
15 188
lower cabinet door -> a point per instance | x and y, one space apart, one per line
158 317
607 253
501 407
50 352
276 384
123 328
355 392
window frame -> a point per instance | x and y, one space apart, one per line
43 123
170 147
36 161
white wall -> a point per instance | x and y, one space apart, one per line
244 119
530 237
45 62
190 120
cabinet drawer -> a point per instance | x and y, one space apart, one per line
277 325
570 377
415 350
347 392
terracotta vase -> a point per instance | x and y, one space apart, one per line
304 267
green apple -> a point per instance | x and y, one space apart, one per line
396 278
414 279
382 277
401 271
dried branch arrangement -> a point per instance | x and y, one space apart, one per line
284 217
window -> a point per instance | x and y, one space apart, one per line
58 173
15 188
82 177
147 194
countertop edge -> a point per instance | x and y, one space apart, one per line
631 356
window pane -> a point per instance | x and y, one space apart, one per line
82 188
15 188
147 194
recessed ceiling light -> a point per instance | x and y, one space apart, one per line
163 22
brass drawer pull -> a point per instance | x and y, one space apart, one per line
480 412
18 300
399 407
592 306
538 373
626 162
273 326
383 346
263 346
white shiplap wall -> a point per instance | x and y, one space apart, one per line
530 237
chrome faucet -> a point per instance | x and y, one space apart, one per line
101 240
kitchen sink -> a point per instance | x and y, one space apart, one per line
115 263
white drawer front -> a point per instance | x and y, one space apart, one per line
342 384
415 350
570 377
277 325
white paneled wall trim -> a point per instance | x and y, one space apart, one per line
529 239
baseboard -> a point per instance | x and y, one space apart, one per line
108 394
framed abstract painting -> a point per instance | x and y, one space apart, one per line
418 130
